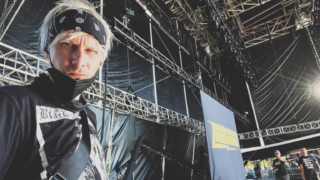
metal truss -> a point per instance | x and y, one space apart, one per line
269 30
166 24
194 22
5 13
237 7
147 52
273 28
280 130
20 68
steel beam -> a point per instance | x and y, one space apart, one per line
313 125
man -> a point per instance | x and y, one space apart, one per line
46 129
308 165
257 170
279 165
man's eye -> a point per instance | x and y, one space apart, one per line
90 50
68 44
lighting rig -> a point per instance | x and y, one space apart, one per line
230 43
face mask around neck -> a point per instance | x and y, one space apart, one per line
68 87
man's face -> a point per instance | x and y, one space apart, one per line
277 155
304 152
78 58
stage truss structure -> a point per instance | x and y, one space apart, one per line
194 22
165 23
268 30
142 48
280 130
7 8
254 34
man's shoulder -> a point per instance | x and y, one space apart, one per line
18 95
15 91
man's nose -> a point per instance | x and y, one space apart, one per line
79 57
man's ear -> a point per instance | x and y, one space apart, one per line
46 53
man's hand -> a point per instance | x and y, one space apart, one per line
302 177
275 169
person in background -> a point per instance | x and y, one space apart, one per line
279 166
257 170
308 165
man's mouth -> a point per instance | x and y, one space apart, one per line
76 75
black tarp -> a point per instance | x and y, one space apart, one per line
127 129
287 92
286 95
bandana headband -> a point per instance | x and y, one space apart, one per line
79 20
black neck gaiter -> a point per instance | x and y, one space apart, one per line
69 88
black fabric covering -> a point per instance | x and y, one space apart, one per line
127 130
288 95
180 144
173 100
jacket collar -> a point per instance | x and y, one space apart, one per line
44 84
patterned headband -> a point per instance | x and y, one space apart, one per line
80 20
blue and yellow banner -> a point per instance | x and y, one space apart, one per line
225 158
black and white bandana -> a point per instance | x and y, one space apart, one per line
80 20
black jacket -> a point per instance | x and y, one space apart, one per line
39 131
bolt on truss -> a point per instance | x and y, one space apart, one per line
280 130
194 22
20 68
166 24
147 52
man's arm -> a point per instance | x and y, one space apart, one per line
9 134
317 165
301 170
282 159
